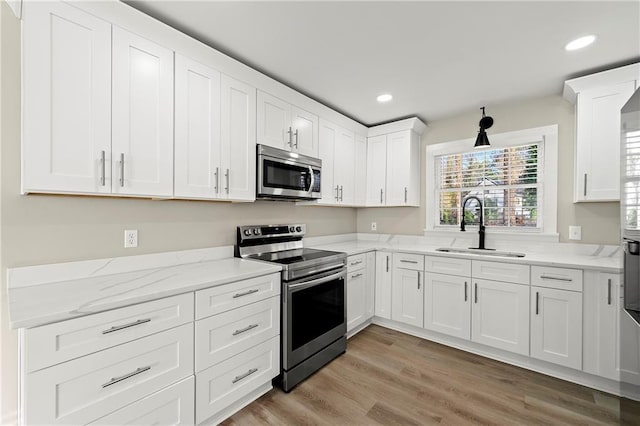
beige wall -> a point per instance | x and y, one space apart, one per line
600 221
39 229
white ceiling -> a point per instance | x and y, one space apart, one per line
436 58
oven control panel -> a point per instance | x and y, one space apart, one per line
252 232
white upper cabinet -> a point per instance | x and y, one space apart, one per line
142 138
393 164
343 172
599 98
360 168
67 100
285 126
197 132
238 127
328 135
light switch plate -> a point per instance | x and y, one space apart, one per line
575 233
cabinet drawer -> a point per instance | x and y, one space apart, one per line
497 271
560 278
356 262
229 296
88 388
408 261
55 343
224 335
447 265
170 406
224 383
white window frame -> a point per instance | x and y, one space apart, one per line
546 136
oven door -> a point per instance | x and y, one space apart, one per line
313 315
287 179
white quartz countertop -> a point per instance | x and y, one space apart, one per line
601 260
34 305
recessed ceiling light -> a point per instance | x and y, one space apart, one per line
384 98
581 42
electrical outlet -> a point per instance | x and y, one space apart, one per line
374 226
575 233
130 238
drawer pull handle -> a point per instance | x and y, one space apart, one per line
549 277
409 261
121 327
242 376
126 376
246 293
247 328
357 262
356 275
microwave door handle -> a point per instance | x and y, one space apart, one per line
312 180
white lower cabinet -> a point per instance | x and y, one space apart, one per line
370 291
556 326
83 390
447 305
407 300
225 383
500 315
384 263
170 406
360 289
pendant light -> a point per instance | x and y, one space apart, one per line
485 122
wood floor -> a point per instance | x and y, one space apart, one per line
390 378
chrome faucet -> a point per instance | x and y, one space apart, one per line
482 228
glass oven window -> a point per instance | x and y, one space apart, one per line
315 311
286 176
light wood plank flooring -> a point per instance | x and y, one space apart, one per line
388 378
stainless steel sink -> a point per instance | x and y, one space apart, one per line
482 252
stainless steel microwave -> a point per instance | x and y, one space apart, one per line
287 175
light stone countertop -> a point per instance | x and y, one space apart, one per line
34 305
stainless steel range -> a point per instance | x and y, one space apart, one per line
313 314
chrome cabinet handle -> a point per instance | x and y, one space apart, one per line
381 196
405 194
337 192
122 169
226 175
102 167
242 330
476 293
356 275
242 376
387 263
246 293
115 380
549 277
465 291
290 136
357 262
418 280
585 184
341 192
409 261
296 135
217 180
122 327
537 303
609 291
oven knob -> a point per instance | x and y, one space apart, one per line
256 231
247 232
292 229
299 228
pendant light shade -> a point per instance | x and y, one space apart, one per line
485 122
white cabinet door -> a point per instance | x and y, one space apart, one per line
398 168
360 169
384 264
67 100
328 135
344 175
601 301
142 126
305 132
500 315
238 129
197 132
598 141
274 122
370 291
407 296
356 298
447 305
376 170
556 326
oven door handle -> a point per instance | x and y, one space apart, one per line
312 283
312 180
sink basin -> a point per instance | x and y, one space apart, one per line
482 252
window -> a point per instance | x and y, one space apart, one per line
505 179
631 182
516 179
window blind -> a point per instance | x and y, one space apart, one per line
631 181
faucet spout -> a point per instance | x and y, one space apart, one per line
481 226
